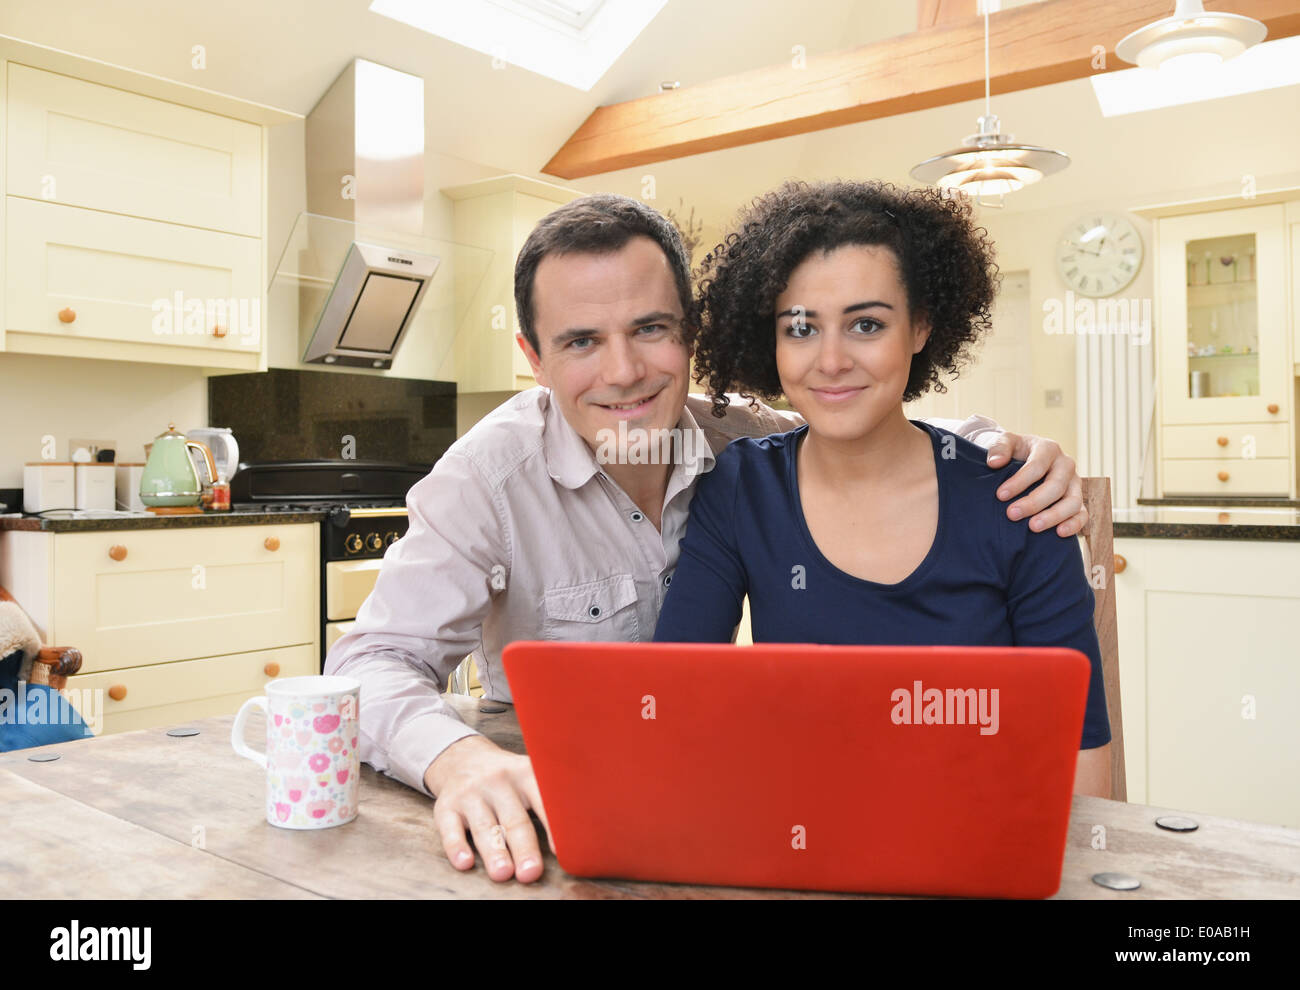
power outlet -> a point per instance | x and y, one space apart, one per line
1053 398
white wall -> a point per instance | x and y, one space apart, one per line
64 398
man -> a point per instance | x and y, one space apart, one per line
520 532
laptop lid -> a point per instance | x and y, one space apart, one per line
911 770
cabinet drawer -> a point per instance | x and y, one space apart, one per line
83 144
1261 476
131 281
181 594
1267 440
348 586
168 693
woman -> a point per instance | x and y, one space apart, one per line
863 526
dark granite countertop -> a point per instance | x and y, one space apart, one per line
1220 522
1165 522
1223 501
90 522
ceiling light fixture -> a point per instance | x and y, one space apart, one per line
1191 38
989 163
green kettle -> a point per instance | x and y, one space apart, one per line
169 479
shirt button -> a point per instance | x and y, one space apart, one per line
594 611
668 579
637 516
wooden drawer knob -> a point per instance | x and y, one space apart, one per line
1223 441
271 669
117 551
1224 517
67 314
272 543
117 692
218 331
1223 475
1272 407
1120 563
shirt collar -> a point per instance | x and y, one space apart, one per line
572 463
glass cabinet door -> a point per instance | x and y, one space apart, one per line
1223 317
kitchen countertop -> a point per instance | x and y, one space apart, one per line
135 799
90 522
1223 501
1207 523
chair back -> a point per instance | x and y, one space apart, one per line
1099 557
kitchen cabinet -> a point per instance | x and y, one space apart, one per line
497 214
82 144
1225 359
134 223
84 284
1210 675
180 623
1293 231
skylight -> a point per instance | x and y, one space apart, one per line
1269 65
571 41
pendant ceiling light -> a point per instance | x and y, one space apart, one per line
989 163
1191 38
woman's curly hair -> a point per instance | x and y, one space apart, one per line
945 260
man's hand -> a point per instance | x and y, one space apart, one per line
480 786
1058 501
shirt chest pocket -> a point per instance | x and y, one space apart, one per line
595 611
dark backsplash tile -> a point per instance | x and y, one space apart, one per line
288 415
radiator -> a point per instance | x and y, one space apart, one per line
1115 386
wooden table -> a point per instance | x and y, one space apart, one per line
142 814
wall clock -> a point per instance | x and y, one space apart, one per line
1099 254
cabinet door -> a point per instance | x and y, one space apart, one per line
135 289
83 144
179 594
1224 347
169 693
1208 660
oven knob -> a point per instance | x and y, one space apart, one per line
390 538
374 541
353 543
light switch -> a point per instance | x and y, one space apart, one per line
1053 399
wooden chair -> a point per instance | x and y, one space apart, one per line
52 664
1098 539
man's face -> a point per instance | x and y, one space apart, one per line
609 330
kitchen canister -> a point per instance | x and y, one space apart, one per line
312 763
95 486
49 485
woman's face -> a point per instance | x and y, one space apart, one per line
844 340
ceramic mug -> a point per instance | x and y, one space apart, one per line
311 759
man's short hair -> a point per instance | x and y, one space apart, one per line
597 224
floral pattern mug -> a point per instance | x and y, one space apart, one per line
311 760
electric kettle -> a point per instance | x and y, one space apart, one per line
169 479
225 451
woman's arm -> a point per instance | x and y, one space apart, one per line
1092 772
1050 603
705 600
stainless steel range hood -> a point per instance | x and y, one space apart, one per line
365 165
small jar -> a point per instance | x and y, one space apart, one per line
220 496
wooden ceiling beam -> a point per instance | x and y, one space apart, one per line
1029 46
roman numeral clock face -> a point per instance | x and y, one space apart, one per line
1099 254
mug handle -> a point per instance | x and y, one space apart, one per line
237 731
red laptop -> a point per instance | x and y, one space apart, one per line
907 770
